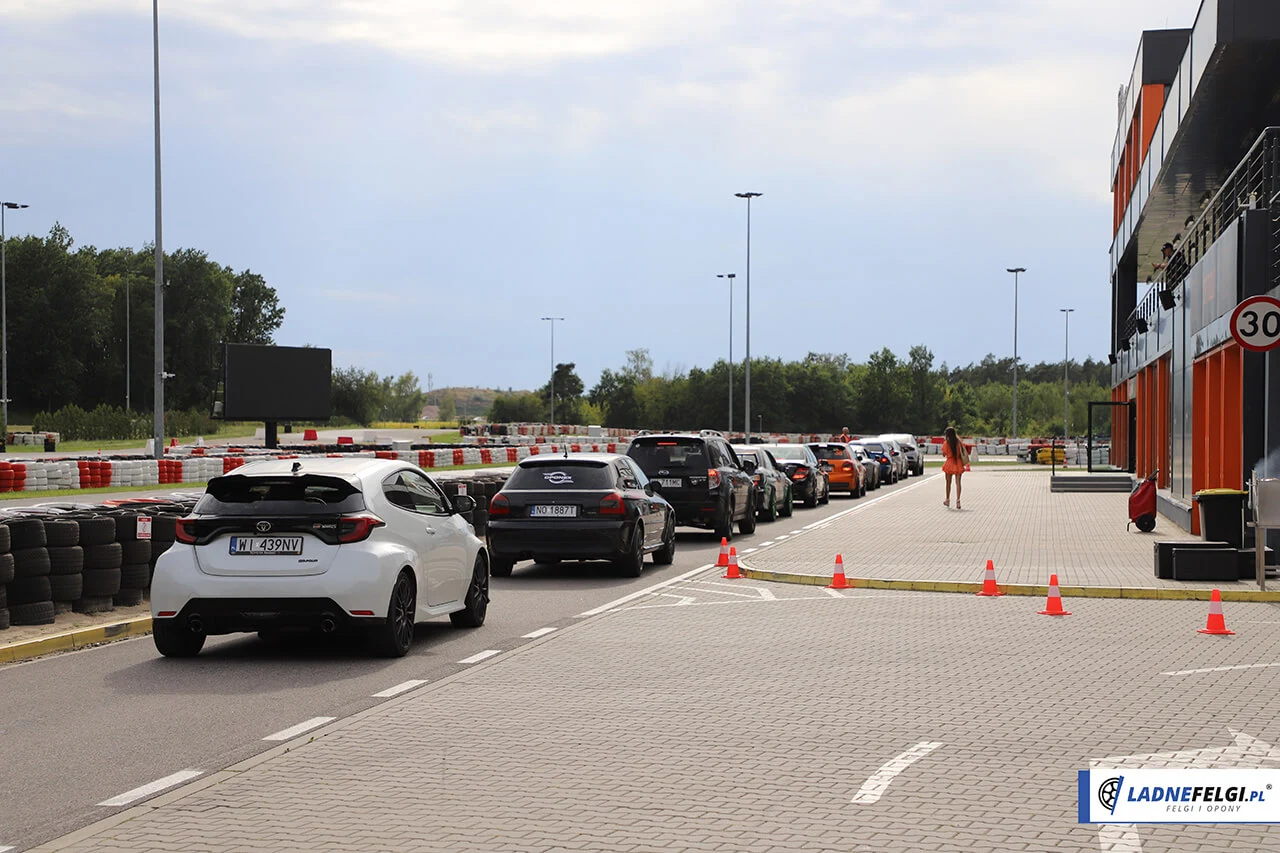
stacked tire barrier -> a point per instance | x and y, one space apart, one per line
30 592
482 489
6 576
66 563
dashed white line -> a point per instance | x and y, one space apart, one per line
6 849
783 536
1222 668
794 533
541 632
617 602
875 786
479 656
765 544
305 726
400 688
146 790
750 550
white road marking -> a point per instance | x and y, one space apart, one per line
147 790
6 849
684 599
306 726
875 786
783 536
541 632
400 688
766 544
794 533
1222 668
479 656
1119 838
756 593
750 550
834 593
617 602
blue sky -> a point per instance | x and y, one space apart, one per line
421 180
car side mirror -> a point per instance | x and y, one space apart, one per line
463 504
650 489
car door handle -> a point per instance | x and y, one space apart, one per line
431 531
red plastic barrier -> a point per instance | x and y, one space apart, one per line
534 450
105 472
310 435
575 448
486 456
19 477
513 454
6 477
345 439
611 448
385 454
457 456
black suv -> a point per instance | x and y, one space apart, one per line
701 477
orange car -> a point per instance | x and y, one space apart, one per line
845 472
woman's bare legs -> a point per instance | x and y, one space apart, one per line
947 502
958 476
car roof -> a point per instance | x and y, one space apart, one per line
351 468
557 458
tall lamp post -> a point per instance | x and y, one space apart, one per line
1015 271
158 427
128 404
731 276
747 419
553 370
1066 366
4 320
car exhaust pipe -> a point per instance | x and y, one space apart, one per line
195 625
328 625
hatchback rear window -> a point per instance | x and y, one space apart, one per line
670 455
793 452
874 448
308 494
565 475
830 451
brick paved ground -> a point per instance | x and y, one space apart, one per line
1009 517
741 717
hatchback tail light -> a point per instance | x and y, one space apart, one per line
884 460
846 466
800 473
611 504
499 505
184 530
356 528
713 478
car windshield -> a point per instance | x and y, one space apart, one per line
793 452
669 454
874 447
830 451
284 494
567 474
754 455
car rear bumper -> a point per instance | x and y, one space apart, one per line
584 540
701 512
235 615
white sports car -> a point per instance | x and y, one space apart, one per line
358 545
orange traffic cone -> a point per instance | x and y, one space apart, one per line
1053 607
733 573
837 578
989 581
723 562
1215 623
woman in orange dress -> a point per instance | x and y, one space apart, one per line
954 456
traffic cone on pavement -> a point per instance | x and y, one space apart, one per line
1215 624
989 581
733 574
837 577
1053 607
723 562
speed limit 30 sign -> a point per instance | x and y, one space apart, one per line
1255 324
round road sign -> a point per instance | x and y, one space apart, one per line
1255 324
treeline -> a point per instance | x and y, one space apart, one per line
70 310
822 393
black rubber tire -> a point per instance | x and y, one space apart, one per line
25 533
126 526
97 530
135 551
61 533
29 591
771 514
163 528
826 495
789 505
4 618
135 576
631 564
1146 523
36 613
4 596
477 600
4 539
747 525
67 560
60 607
127 597
393 639
500 567
94 604
101 583
175 641
724 524
30 563
666 555
6 567
110 556
66 587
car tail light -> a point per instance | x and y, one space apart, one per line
884 460
800 473
356 528
713 478
755 478
184 530
499 505
846 466
611 504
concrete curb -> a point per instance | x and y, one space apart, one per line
71 640
1156 593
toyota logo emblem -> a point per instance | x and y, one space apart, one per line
263 526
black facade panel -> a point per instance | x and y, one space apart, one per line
1162 52
1248 20
1255 253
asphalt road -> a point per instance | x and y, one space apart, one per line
79 729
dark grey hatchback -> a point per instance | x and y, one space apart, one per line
584 506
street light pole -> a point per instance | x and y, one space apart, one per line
1066 366
553 370
128 407
747 419
1015 271
4 320
158 428
731 276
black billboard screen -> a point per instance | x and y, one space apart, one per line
268 383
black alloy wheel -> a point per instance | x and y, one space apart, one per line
666 555
724 523
771 512
747 525
811 499
788 506
393 638
477 600
632 563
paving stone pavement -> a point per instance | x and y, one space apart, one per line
1009 517
713 716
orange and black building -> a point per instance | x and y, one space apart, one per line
1196 164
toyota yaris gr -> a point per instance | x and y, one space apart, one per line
354 545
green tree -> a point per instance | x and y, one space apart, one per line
402 399
357 394
448 407
256 312
520 407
